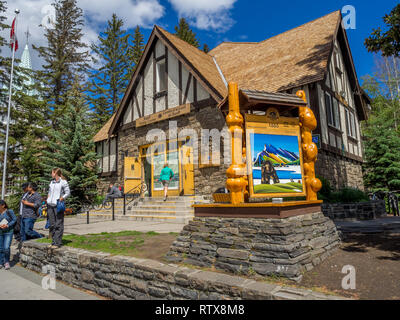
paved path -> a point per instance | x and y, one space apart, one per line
74 225
22 284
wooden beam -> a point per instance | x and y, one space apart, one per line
154 78
187 88
143 95
194 89
166 76
137 107
180 81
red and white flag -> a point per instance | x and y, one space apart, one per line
13 36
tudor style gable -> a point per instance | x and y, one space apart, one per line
170 74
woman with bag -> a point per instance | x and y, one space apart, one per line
58 192
7 222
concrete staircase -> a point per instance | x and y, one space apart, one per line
173 210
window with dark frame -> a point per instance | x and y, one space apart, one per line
161 74
332 110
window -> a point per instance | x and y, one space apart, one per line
328 105
336 113
161 76
332 110
351 124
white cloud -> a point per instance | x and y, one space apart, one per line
96 12
206 14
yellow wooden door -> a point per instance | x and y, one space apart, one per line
132 174
187 170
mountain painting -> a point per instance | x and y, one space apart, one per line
276 165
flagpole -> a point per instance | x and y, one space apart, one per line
3 185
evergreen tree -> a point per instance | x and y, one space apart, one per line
137 49
206 49
183 31
3 41
382 152
71 148
388 43
109 82
65 56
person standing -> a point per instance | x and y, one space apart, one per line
30 208
17 226
58 192
165 178
7 222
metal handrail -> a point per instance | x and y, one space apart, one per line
139 194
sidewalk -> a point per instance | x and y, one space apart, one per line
73 225
19 283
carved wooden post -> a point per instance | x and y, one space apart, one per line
309 148
235 173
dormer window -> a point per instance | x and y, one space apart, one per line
161 76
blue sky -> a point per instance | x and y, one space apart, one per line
213 21
258 20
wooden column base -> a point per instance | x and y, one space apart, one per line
258 210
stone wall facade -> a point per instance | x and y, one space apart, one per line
121 277
206 180
355 211
340 171
284 247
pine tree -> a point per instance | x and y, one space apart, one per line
109 82
65 56
137 49
388 43
206 49
3 41
183 31
382 152
72 149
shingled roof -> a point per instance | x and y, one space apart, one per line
103 132
293 58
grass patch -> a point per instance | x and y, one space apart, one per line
278 188
150 245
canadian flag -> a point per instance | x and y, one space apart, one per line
13 36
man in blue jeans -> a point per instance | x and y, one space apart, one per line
30 208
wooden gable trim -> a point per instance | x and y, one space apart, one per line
139 72
206 84
133 82
335 34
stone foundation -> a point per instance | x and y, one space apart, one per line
355 211
339 171
284 247
122 277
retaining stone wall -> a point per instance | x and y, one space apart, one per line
355 211
121 277
284 247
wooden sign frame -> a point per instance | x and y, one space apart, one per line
272 124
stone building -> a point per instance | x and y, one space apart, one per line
178 89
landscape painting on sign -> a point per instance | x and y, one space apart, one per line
276 165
